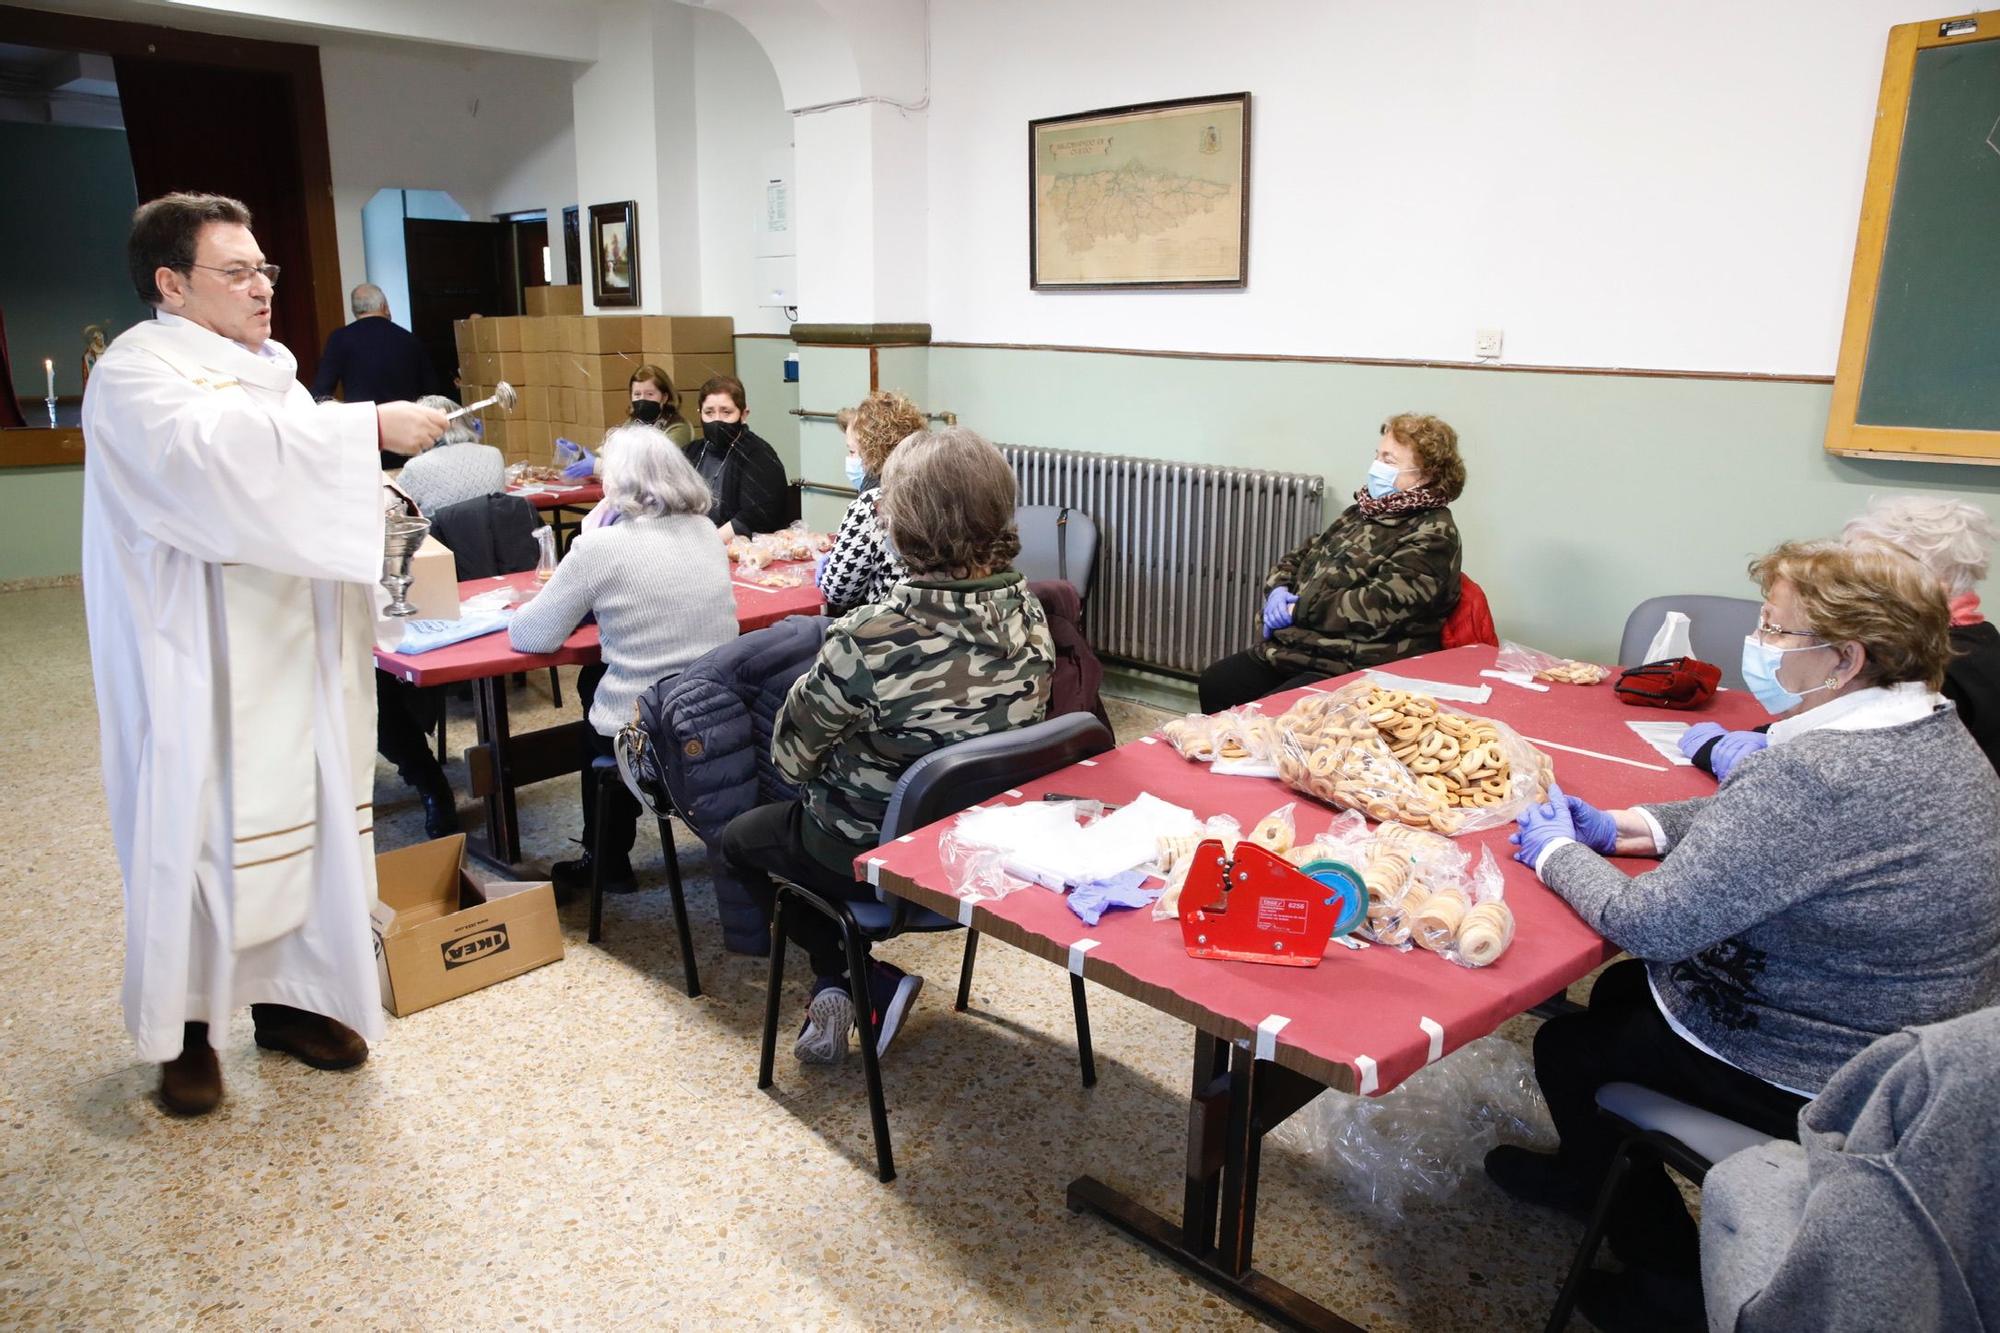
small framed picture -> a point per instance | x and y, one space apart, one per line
614 254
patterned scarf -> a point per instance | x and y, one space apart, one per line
1400 502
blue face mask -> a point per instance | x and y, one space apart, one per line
1382 478
1760 673
857 472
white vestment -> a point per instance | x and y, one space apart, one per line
232 536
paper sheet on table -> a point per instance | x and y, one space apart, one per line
422 636
1042 842
1665 738
1437 689
1244 768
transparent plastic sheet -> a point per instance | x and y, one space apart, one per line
1419 1142
977 867
1177 855
1538 665
1401 757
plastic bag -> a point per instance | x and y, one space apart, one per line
1487 930
974 849
1400 866
1419 1142
1402 757
1176 858
1537 665
1237 737
1277 831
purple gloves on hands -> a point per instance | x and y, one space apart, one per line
1541 825
582 463
1698 735
1278 610
819 566
1730 749
1594 828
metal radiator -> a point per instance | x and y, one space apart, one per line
1182 548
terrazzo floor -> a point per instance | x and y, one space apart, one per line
585 1147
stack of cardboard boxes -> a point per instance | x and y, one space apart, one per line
573 371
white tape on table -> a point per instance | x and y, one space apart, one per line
1016 793
1435 1031
874 872
1076 953
1366 1067
1267 1036
965 911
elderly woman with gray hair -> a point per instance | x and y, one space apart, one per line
444 476
658 583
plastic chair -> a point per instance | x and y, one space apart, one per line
1717 627
603 773
1471 621
940 784
1057 542
1686 1138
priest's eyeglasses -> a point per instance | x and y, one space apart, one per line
240 276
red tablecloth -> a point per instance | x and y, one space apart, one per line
490 655
563 497
1362 1020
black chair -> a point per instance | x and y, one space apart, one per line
1717 627
1057 542
604 773
938 785
1686 1138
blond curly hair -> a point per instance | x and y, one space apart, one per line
1435 447
881 421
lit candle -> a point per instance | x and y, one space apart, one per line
49 369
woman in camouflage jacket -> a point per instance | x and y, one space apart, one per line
959 649
1376 586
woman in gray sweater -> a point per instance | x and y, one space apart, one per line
658 583
1841 884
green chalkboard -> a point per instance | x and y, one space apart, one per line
1934 346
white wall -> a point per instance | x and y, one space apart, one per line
493 131
741 129
1612 182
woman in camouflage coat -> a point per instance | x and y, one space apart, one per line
1376 586
959 649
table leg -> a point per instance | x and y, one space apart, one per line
503 832
1238 1101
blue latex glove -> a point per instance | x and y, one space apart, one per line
819 566
1732 749
1594 828
1091 901
1698 735
1278 610
582 469
1542 825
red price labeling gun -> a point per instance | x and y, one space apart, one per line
1254 906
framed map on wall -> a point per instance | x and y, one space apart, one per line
1149 196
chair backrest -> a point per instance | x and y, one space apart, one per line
1057 542
489 535
946 781
1717 627
1471 621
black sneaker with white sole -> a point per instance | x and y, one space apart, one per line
891 992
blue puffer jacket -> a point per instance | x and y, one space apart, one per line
702 742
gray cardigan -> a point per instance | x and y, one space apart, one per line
1839 886
660 589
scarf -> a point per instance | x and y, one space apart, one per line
1400 502
1965 609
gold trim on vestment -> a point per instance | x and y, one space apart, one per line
252 837
245 865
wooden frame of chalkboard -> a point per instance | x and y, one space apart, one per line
1921 342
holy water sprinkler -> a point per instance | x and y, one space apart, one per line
503 394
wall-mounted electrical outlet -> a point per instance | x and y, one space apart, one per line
1486 344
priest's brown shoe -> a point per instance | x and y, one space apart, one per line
191 1082
312 1038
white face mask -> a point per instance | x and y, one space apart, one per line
1382 478
857 471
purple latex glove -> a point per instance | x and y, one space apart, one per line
819 566
1594 828
1091 901
1542 825
1733 749
1278 610
1698 735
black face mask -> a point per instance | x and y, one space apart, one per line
646 411
722 434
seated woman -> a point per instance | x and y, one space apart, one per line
741 469
653 404
1838 887
861 567
465 471
658 583
1376 586
959 649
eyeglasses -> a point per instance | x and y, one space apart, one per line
239 277
1766 630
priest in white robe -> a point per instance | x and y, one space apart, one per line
232 539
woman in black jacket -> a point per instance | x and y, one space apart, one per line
742 470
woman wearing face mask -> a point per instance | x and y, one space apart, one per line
1376 586
741 468
861 567
653 404
1840 886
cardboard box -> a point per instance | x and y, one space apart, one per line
496 429
535 300
513 367
506 332
611 333
535 401
689 371
601 374
542 365
464 337
673 335
586 434
565 334
565 300
535 333
606 409
483 334
534 435
439 934
488 369
434 581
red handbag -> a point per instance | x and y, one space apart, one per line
1677 682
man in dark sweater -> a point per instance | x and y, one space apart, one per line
374 359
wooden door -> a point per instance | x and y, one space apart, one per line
456 269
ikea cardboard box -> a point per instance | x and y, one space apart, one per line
672 335
439 934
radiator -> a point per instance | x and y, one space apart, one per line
1182 548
